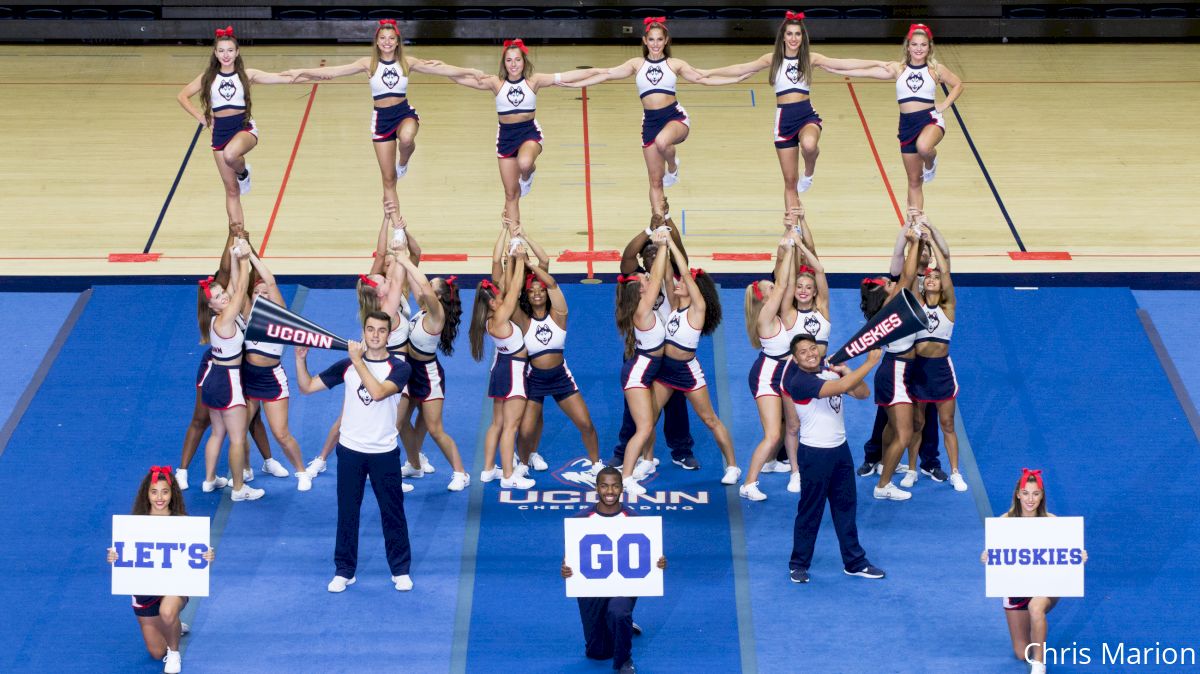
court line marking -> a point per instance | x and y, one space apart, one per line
470 552
170 195
1168 366
287 173
43 369
587 182
878 162
986 176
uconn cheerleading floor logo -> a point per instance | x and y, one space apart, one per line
578 492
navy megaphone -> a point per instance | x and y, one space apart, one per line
897 319
271 323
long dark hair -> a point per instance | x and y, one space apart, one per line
523 299
666 33
629 294
1015 509
873 297
141 504
452 308
210 74
479 316
805 62
712 302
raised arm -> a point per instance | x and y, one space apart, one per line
951 80
761 63
397 277
821 282
538 252
690 74
629 256
384 239
896 265
500 251
185 100
657 271
239 278
558 301
943 264
327 72
909 273
685 276
423 290
512 290
779 292
852 381
626 69
268 278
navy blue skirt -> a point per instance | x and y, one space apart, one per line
653 121
386 121
911 125
510 137
225 128
790 119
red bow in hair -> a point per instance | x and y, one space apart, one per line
695 273
205 283
805 269
627 278
873 282
518 43
449 280
653 19
386 22
927 271
757 291
530 277
227 31
912 28
1036 475
367 280
164 471
793 16
487 284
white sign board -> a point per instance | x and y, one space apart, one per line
1034 556
161 556
614 556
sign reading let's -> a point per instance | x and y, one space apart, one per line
160 556
1034 556
614 556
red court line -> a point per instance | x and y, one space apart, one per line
1042 255
443 257
742 257
589 257
587 183
871 141
134 257
312 95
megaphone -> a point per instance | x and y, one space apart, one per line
899 318
274 324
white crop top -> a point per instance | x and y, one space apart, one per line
915 84
655 77
779 344
398 337
261 348
940 326
652 339
680 332
419 339
511 344
515 98
227 92
388 80
790 78
901 345
225 348
812 322
544 336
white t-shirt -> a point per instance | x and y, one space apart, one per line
821 421
368 425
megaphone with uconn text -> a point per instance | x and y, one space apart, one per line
274 324
899 318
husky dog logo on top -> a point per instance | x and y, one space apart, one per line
390 78
515 96
227 89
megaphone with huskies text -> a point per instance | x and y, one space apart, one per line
274 324
899 318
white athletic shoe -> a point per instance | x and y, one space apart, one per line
406 487
184 628
769 467
244 183
246 493
928 174
425 465
751 492
526 185
538 462
516 482
407 470
172 662
892 493
957 481
403 583
459 481
643 469
1036 667
596 467
909 479
493 474
274 468
247 475
794 483
732 473
520 469
303 480
804 184
400 170
632 487
783 467
181 478
217 483
317 466
339 584
670 178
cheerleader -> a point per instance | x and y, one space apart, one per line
665 123
159 496
394 123
519 137
224 89
921 123
797 125
220 381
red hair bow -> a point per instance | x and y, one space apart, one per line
805 269
654 19
873 282
205 283
164 472
627 278
367 280
695 273
386 22
912 28
529 279
449 280
793 16
1036 475
487 284
227 31
518 43
757 291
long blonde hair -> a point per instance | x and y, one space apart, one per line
754 304
376 55
929 59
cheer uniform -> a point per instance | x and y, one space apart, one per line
146 606
933 378
656 77
515 98
640 370
389 81
916 84
263 382
428 380
608 621
228 93
893 377
545 336
767 371
507 380
791 118
811 322
682 375
221 379
398 338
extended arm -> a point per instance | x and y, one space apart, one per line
943 264
441 69
884 72
774 300
512 291
761 63
626 69
263 77
306 382
268 278
558 301
852 381
327 72
538 252
822 61
685 276
690 74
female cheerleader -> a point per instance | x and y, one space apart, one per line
394 123
220 382
1026 616
159 496
519 137
657 74
921 123
797 125
224 89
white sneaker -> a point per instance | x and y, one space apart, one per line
804 184
407 470
526 185
303 480
892 493
632 487
425 465
1036 667
459 481
403 583
928 174
406 487
751 492
274 468
769 467
957 481
516 482
538 462
794 483
783 467
670 178
520 469
339 584
172 662
909 479
181 478
732 473
643 469
247 475
317 466
493 474
246 493
184 628
596 468
244 184
401 170
217 483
